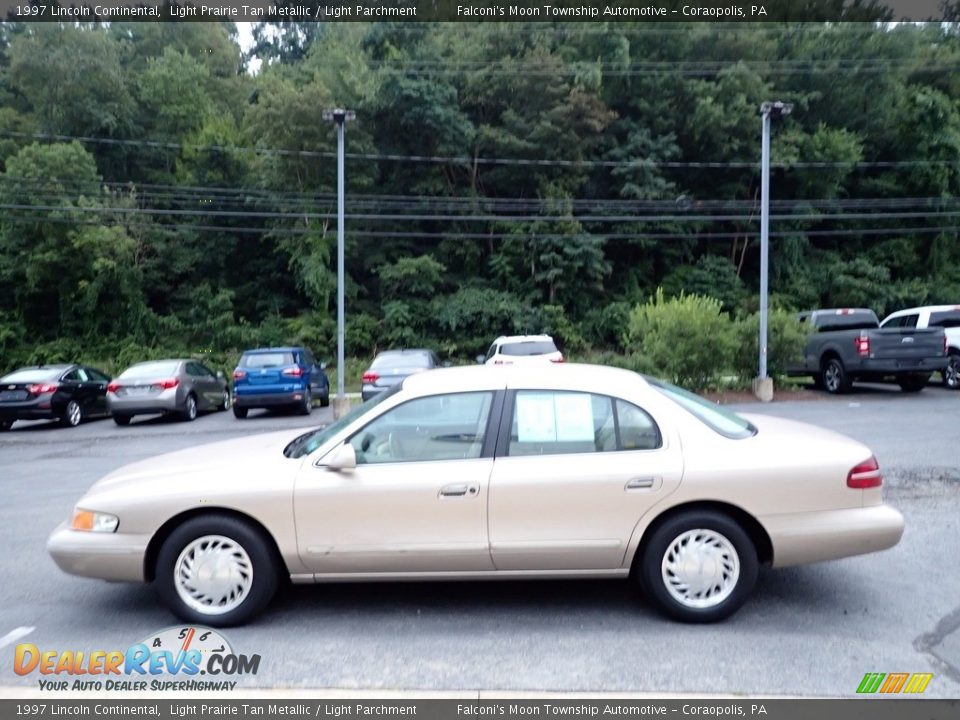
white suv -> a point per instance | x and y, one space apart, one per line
945 316
507 350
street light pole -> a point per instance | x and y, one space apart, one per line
340 117
763 387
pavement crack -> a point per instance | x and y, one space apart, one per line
928 644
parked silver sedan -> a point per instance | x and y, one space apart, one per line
553 471
168 387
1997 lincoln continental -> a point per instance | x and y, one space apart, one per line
485 473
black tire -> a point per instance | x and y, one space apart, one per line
951 374
913 383
122 420
651 573
72 414
239 412
264 571
306 405
325 398
836 381
5 425
224 403
189 413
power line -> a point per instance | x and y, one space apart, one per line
639 163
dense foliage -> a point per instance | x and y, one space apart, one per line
156 195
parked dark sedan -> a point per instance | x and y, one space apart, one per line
68 393
391 366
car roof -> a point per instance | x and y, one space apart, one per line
404 351
922 308
495 377
48 366
292 348
164 360
523 338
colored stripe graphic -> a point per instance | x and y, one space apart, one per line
894 682
918 682
870 682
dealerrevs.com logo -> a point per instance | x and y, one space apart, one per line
177 658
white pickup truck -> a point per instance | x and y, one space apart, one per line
945 316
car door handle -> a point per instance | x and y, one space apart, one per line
459 489
640 483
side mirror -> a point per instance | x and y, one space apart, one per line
481 359
344 458
323 366
221 375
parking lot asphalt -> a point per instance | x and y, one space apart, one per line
807 631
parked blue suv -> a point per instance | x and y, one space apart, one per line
278 377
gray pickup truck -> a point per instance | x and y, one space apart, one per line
848 344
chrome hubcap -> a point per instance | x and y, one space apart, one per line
191 407
213 575
952 372
700 568
226 400
831 377
73 413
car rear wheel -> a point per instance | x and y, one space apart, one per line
239 412
216 570
325 398
951 373
122 419
189 413
72 414
699 566
5 425
913 383
306 405
835 377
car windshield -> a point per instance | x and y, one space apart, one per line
400 360
266 359
528 347
149 370
718 419
308 442
32 375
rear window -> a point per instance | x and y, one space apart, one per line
150 370
32 375
946 319
530 347
267 360
401 360
853 320
717 418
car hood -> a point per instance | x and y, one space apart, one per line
213 460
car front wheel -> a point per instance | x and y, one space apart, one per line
5 425
699 567
216 570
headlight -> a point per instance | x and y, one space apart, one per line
94 521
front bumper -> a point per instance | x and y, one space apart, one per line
808 537
108 556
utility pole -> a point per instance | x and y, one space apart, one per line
763 385
340 117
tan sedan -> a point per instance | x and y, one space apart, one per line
485 473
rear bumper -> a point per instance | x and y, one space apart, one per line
800 538
108 556
890 366
371 391
9 414
268 399
164 403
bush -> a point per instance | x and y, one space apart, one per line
786 337
686 339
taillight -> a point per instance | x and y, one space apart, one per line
113 387
865 475
862 344
41 388
239 374
167 384
293 372
370 377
